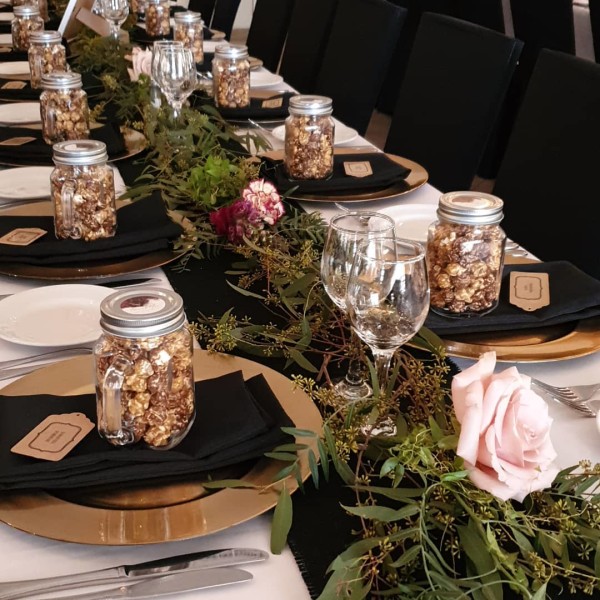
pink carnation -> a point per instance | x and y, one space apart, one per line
266 200
260 204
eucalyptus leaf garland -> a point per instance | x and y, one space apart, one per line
424 530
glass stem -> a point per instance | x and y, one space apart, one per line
382 366
354 375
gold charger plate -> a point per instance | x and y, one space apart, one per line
95 270
153 514
417 177
540 344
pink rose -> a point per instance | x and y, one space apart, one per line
141 62
505 430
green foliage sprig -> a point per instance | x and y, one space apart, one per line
423 530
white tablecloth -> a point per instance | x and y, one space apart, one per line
26 556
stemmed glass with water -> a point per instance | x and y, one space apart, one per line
387 298
116 13
175 72
344 235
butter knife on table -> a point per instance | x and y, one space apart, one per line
168 584
129 574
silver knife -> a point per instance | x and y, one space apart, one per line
127 574
168 584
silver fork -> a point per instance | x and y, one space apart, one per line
576 396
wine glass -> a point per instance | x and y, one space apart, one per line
115 12
344 234
387 298
157 46
176 75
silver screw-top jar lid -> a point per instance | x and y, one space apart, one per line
310 105
45 37
79 152
142 312
157 2
231 51
471 208
60 80
187 16
26 10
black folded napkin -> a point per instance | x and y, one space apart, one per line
574 296
37 152
257 108
386 172
142 227
17 94
12 55
236 421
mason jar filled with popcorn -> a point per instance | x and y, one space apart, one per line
46 54
82 189
465 254
63 107
144 369
158 18
189 29
231 76
26 19
309 138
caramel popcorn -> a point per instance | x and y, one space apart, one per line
158 22
45 58
92 190
309 141
190 31
157 398
26 20
65 115
465 267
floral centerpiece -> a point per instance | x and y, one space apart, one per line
464 500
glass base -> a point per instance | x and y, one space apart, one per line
385 428
353 391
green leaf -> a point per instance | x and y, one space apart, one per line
244 292
456 476
540 593
228 483
597 560
299 432
436 432
285 456
313 465
382 513
408 556
302 361
282 521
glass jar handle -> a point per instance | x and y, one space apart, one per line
50 122
66 199
37 67
112 385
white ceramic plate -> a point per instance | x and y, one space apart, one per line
55 315
5 39
412 220
264 79
210 45
7 16
343 133
25 183
16 67
20 113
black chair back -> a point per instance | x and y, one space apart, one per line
487 13
268 29
456 79
362 38
205 8
224 16
300 61
548 177
594 6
